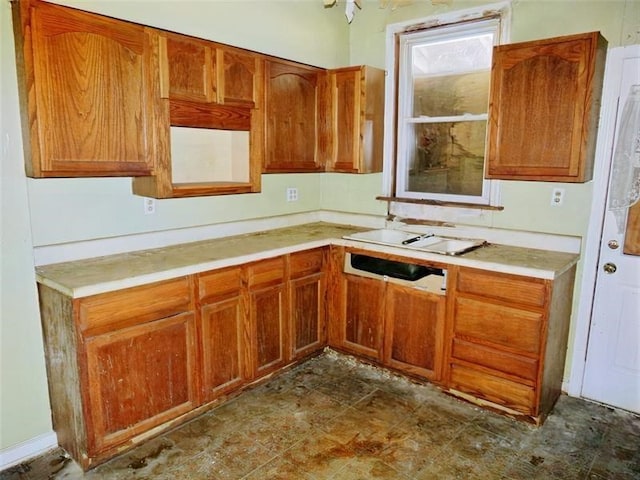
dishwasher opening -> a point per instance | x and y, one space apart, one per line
427 278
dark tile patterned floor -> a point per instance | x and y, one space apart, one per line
335 418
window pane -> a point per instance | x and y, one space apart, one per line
451 94
447 158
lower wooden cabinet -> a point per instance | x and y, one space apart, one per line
507 339
414 328
119 364
362 327
138 377
399 324
222 330
126 365
307 298
268 319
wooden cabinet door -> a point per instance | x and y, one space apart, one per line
544 108
361 324
292 125
137 378
222 330
91 91
268 315
307 314
268 321
187 68
240 75
414 329
356 107
223 347
307 288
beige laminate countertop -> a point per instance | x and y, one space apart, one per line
82 278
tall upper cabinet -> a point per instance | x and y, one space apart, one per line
356 119
87 98
544 108
292 117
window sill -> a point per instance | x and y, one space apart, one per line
440 203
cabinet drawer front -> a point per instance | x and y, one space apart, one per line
134 305
520 366
501 391
497 324
266 272
219 284
509 288
306 263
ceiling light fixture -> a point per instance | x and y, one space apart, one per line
350 5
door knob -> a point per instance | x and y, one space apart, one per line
610 267
613 244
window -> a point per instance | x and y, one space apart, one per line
442 101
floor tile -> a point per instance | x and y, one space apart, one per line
335 418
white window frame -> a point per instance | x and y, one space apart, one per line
459 21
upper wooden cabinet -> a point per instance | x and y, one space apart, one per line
202 71
87 98
544 108
356 119
292 117
240 77
187 68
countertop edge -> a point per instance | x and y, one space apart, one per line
161 275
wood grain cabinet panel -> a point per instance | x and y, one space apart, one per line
267 298
362 325
88 95
414 329
544 108
292 117
139 377
269 329
222 331
307 287
506 339
240 76
187 68
356 119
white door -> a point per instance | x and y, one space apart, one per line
612 369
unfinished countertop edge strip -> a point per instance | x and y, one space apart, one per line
83 278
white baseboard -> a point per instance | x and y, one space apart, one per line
28 449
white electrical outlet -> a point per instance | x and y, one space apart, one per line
557 197
149 206
292 194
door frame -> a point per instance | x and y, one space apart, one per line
592 240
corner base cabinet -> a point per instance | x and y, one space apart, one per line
507 340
